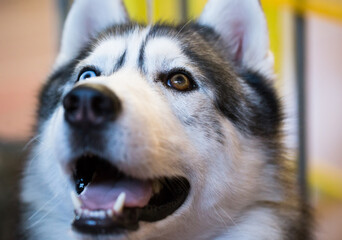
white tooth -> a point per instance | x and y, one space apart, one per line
119 203
109 212
75 200
102 214
85 189
79 212
86 212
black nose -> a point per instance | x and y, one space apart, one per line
91 105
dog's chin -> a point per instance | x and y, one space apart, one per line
108 201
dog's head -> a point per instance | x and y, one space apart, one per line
158 132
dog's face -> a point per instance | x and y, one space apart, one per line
159 131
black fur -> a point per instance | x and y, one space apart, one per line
51 92
267 112
120 62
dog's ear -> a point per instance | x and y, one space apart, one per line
85 19
242 26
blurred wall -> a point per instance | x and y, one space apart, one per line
324 74
27 45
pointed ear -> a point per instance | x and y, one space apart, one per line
242 26
85 19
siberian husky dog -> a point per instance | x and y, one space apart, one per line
161 132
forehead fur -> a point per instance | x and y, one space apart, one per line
136 50
244 97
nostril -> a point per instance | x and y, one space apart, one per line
71 102
90 106
102 105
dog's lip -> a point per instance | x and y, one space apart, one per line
96 215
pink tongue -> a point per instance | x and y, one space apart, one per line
103 195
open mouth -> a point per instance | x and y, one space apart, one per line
108 201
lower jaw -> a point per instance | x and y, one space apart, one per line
169 198
130 218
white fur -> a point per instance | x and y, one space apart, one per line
164 54
243 27
134 42
105 55
256 224
86 18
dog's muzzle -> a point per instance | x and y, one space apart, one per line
107 200
91 106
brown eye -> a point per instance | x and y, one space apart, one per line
180 82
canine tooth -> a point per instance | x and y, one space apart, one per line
75 200
85 189
79 212
119 203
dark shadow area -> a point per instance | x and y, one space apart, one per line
12 158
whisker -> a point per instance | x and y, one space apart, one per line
43 216
182 28
32 140
42 207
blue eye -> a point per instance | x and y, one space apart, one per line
87 74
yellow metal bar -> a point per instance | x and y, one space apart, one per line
327 180
137 10
166 11
195 7
327 8
275 34
169 10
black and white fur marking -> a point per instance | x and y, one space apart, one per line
224 136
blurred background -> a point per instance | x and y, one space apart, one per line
306 39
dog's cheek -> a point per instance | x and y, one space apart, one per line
57 137
44 173
143 142
223 169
